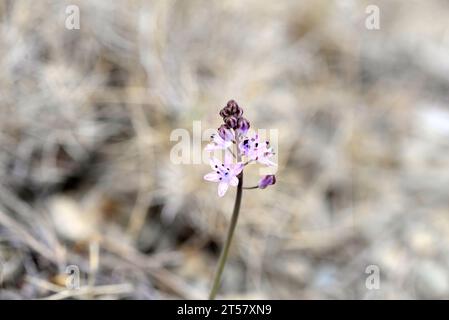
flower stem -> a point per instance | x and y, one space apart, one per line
250 188
225 251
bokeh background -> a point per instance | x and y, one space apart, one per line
86 179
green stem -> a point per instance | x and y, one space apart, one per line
225 251
250 188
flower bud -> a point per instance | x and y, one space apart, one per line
225 112
231 122
243 126
231 104
267 181
225 133
234 108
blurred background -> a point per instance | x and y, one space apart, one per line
87 186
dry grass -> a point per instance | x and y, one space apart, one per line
86 178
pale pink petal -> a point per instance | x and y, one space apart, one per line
221 143
213 176
214 162
211 147
238 168
226 144
222 188
232 135
218 140
234 181
228 158
267 162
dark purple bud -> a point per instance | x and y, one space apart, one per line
231 122
267 181
242 126
225 133
238 112
232 103
225 112
234 108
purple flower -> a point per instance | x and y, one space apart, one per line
242 126
231 122
226 133
235 109
218 142
224 173
235 129
231 109
257 151
225 112
267 181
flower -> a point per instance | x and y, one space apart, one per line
267 181
234 130
226 133
255 150
231 122
225 112
222 140
224 173
242 126
235 109
231 109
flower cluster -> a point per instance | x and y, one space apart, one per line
234 131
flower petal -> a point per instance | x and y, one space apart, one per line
226 144
222 188
228 158
213 176
244 149
214 163
211 147
267 162
218 140
234 181
238 168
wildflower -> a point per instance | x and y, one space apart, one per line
224 173
226 133
266 181
231 109
228 173
242 126
225 112
257 151
222 140
231 122
235 109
